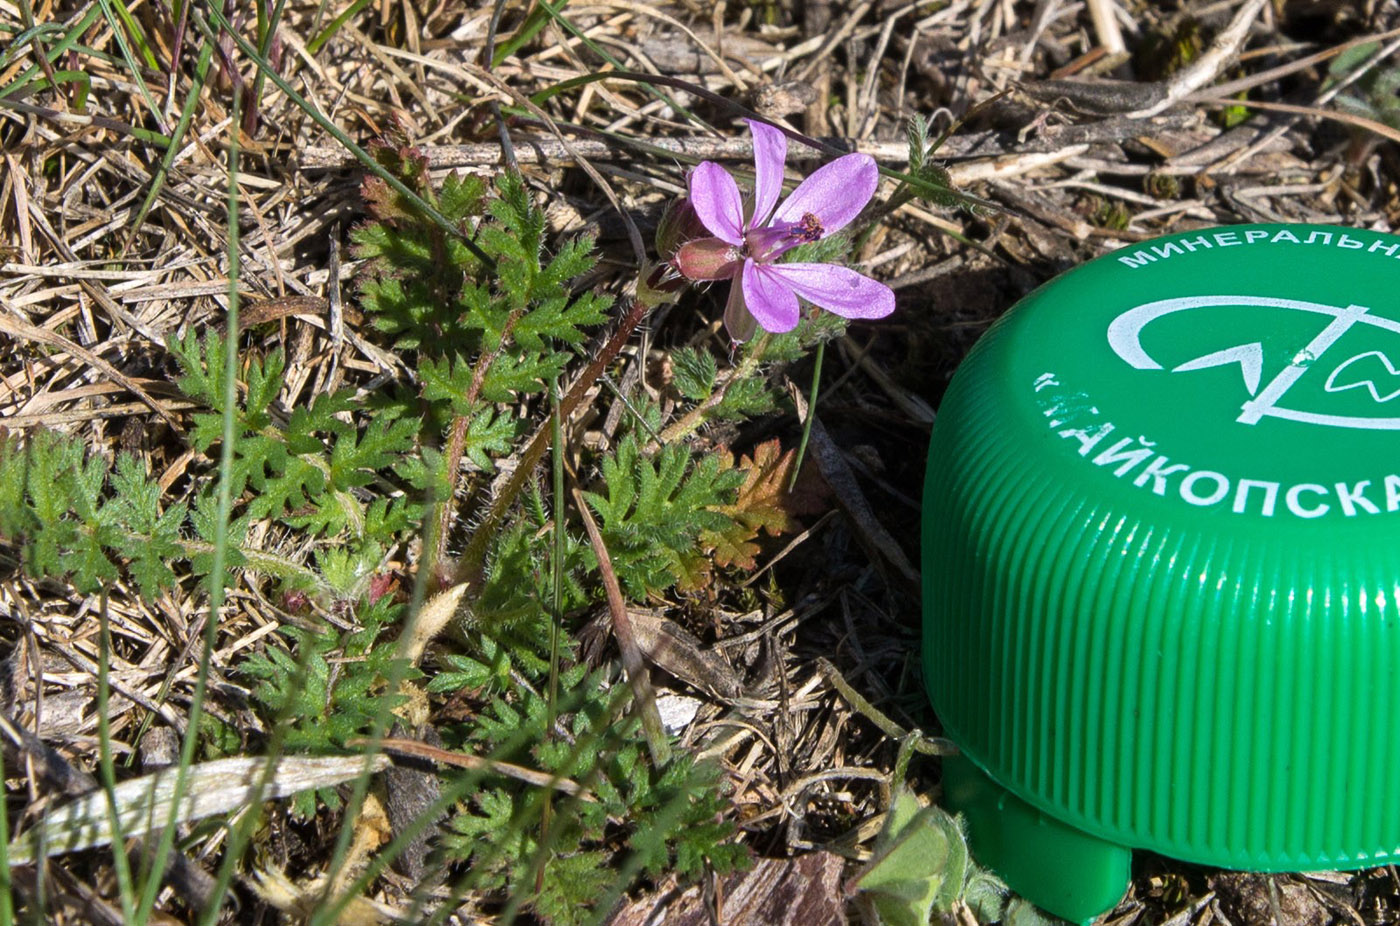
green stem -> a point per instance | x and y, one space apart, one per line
811 412
221 545
457 439
266 563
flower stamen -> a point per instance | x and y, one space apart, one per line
809 229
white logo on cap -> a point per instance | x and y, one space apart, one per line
1371 370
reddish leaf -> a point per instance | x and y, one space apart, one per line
760 505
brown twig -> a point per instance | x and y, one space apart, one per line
546 150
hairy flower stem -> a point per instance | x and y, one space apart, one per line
265 563
457 441
472 565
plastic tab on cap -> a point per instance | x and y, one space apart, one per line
1068 872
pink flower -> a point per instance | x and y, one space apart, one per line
745 249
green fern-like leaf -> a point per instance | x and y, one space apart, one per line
694 373
560 318
202 364
73 517
655 511
135 509
306 472
571 886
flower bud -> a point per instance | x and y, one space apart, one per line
679 224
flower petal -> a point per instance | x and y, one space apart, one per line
738 320
769 298
835 194
715 196
836 289
707 259
769 155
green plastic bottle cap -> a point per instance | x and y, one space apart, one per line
1162 564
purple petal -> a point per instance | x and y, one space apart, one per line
738 320
836 289
769 155
715 196
769 298
707 259
835 194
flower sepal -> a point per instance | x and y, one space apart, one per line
708 259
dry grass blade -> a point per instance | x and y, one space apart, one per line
19 329
465 760
144 804
627 641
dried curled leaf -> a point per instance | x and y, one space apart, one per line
762 504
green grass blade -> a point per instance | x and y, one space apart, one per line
133 28
576 32
267 28
80 78
177 136
20 40
534 22
121 23
58 48
328 33
219 565
107 768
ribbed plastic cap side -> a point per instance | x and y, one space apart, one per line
1162 548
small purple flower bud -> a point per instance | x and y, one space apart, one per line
679 224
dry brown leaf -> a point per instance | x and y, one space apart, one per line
760 505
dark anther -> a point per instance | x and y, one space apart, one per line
809 229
